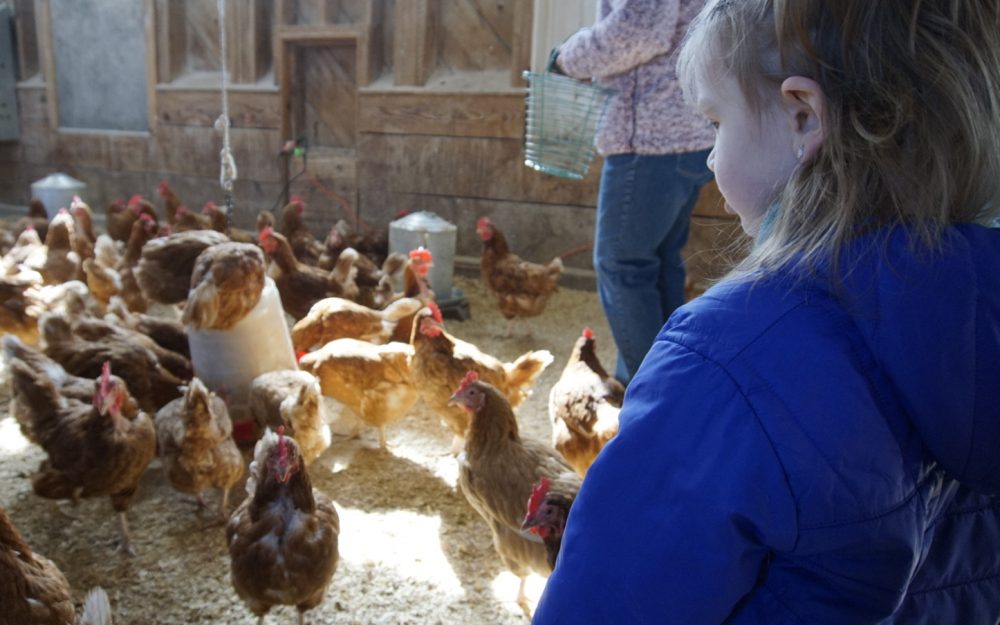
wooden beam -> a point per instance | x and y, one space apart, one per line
152 50
27 38
171 40
414 42
520 48
442 113
245 30
247 109
47 59
469 167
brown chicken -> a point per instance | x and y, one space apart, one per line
62 263
374 381
23 302
584 406
95 329
83 229
186 220
546 517
195 440
226 285
143 231
119 218
33 591
440 362
36 364
94 448
306 248
148 381
24 261
522 288
166 264
371 242
220 223
283 537
264 219
301 285
337 318
37 217
291 399
171 201
168 333
16 316
496 473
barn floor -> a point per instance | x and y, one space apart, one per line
412 551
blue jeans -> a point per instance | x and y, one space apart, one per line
643 211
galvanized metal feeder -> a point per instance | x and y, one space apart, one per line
56 191
425 229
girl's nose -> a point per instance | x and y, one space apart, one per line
710 161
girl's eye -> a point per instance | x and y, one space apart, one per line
715 125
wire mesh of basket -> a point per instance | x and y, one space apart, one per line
561 119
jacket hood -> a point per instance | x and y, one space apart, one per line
932 318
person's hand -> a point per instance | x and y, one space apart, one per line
553 65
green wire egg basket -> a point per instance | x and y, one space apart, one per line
561 118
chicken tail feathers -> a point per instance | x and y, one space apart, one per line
522 372
96 608
39 391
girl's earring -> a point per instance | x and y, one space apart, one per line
802 152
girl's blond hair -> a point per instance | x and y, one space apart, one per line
913 113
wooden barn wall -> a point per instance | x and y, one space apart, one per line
430 117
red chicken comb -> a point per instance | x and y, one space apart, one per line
483 222
469 378
538 492
435 312
296 199
209 207
135 199
146 217
421 254
163 187
588 334
182 210
265 233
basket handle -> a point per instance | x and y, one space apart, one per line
552 66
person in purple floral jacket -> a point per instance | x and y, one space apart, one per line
655 148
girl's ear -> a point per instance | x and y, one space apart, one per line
805 104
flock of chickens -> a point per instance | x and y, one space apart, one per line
104 387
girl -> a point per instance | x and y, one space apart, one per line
815 440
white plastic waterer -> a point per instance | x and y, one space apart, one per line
56 191
227 361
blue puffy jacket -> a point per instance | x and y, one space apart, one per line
791 452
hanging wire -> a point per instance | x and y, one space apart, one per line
227 170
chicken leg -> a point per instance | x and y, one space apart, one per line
125 543
522 598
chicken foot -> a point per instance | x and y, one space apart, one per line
74 502
124 542
217 519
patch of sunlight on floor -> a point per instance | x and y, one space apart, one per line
408 542
11 439
505 585
444 466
